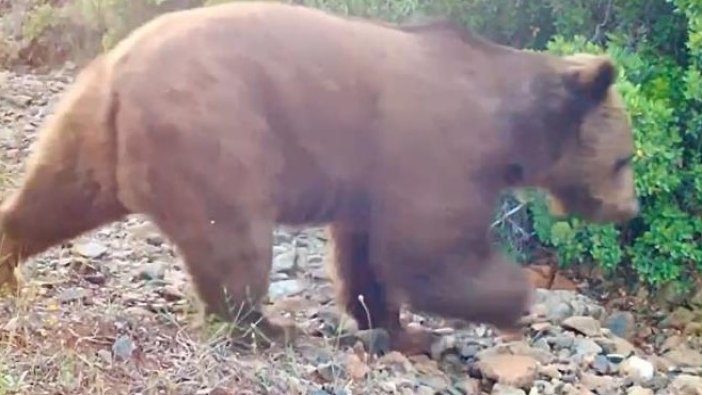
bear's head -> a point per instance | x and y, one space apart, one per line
575 141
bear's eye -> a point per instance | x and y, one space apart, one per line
622 163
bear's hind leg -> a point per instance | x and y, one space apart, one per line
55 202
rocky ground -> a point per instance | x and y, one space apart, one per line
111 313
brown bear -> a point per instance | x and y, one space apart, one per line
220 122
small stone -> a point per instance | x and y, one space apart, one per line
470 350
123 347
684 356
442 345
601 364
283 288
686 384
171 293
90 249
616 345
679 318
137 311
671 343
284 261
585 325
468 386
639 390
621 324
152 271
356 368
425 390
638 369
73 294
512 370
586 347
396 361
561 341
105 356
376 341
560 312
502 389
550 371
330 372
541 387
96 278
436 382
599 384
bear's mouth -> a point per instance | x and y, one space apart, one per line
575 200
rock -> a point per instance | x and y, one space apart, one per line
123 347
501 389
560 312
638 369
444 344
512 370
470 350
424 390
671 343
356 368
330 372
679 318
621 324
560 341
96 278
171 293
686 384
396 362
600 384
696 300
693 329
575 389
662 364
282 288
584 347
540 387
638 390
584 325
375 341
684 356
616 345
544 356
429 374
601 364
137 311
550 371
152 271
284 262
437 382
468 386
90 249
105 356
73 294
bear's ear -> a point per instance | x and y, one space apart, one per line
589 76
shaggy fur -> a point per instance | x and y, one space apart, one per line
220 122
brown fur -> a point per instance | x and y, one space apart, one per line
220 122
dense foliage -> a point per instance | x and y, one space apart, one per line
657 43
